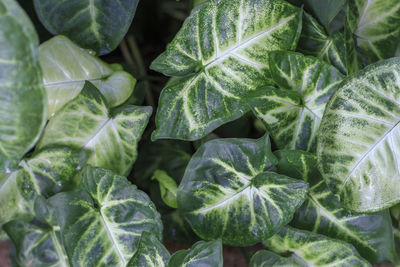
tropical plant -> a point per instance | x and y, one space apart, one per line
276 124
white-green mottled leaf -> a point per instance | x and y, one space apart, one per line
224 47
86 122
102 224
151 253
358 144
201 254
314 249
168 188
371 234
66 67
292 112
23 107
375 27
264 258
228 184
94 24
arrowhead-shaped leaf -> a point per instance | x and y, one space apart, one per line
228 185
201 254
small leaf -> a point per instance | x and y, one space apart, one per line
264 258
93 24
228 185
201 254
325 10
168 188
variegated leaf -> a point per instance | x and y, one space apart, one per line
370 234
23 107
314 249
395 212
176 228
314 41
86 122
228 184
223 52
293 112
201 254
358 144
102 224
375 27
264 258
66 67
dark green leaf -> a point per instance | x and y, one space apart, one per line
264 258
201 254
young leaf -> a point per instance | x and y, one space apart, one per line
223 51
87 123
150 253
375 27
66 67
370 234
228 185
23 106
93 24
201 254
314 41
103 223
293 112
314 249
168 188
358 140
264 258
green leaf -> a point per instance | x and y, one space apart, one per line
66 67
314 249
325 10
357 144
223 52
23 107
228 184
176 228
151 253
264 258
375 27
102 224
86 122
93 24
314 41
293 112
168 188
201 254
370 234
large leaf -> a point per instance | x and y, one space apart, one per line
314 249
314 41
94 24
103 223
358 141
375 26
325 10
293 112
264 258
86 122
201 254
66 67
224 48
370 234
23 107
228 185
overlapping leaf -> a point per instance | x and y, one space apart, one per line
228 185
201 254
66 67
264 258
86 122
358 145
370 234
93 24
293 112
223 52
23 107
314 249
326 10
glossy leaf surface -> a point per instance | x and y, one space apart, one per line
86 122
371 234
66 67
293 112
228 185
201 254
23 107
264 258
93 24
223 52
314 249
325 11
358 146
